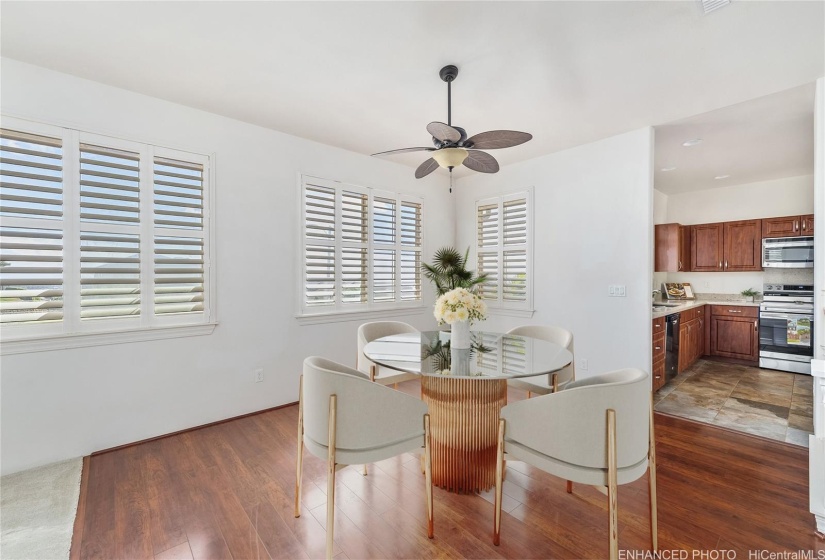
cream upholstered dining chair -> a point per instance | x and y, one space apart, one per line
604 438
553 382
346 419
373 331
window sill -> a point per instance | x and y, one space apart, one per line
342 316
79 340
503 311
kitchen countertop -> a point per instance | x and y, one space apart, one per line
684 306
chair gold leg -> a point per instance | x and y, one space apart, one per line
555 383
651 462
569 486
499 483
372 372
612 486
299 462
364 470
529 394
428 475
331 475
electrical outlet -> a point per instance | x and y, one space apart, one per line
611 290
583 364
258 375
707 284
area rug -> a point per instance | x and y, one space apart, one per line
37 511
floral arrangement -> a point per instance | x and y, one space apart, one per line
459 305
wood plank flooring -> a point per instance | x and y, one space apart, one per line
226 491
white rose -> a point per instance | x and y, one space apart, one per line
462 314
450 317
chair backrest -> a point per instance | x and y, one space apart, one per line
556 335
368 415
571 425
375 330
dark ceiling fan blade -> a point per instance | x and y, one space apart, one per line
426 168
495 139
404 151
480 161
443 132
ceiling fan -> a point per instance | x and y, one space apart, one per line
453 148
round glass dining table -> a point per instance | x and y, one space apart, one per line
465 390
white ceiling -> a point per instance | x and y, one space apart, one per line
364 75
766 138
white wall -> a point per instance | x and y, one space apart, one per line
68 403
593 210
780 197
765 199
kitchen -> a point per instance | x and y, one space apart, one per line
733 267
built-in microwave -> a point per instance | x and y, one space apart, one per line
788 252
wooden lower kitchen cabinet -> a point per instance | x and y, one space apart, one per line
658 353
734 332
691 336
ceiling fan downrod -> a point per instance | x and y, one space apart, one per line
448 74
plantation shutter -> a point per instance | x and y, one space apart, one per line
514 253
31 236
319 248
354 240
410 267
360 247
110 271
502 248
383 258
179 263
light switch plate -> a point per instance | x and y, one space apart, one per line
617 290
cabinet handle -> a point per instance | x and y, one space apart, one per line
734 311
658 326
804 225
756 325
720 264
658 347
658 377
726 264
680 265
796 226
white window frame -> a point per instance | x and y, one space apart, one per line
72 332
340 311
499 306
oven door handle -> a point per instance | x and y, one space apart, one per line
785 316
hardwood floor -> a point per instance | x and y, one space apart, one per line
226 491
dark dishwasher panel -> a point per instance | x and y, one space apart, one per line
671 346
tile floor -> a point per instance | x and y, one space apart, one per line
762 402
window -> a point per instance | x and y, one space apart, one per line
99 234
504 250
361 248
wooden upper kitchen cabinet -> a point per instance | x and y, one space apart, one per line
788 226
743 246
807 224
672 248
706 247
734 332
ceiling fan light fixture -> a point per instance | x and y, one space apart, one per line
450 157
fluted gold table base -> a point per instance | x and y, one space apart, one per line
464 417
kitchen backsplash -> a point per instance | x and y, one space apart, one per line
789 276
735 282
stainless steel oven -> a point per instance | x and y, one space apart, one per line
786 328
788 252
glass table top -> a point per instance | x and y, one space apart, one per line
492 355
